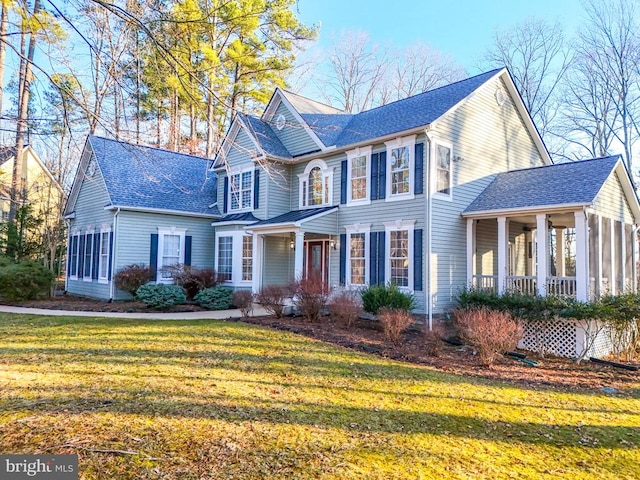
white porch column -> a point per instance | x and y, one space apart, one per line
560 260
502 254
599 259
258 250
623 258
614 267
299 257
541 254
582 257
471 250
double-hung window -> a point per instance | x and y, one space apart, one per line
237 268
73 255
316 184
247 258
443 169
225 258
171 248
399 266
103 260
88 256
358 165
357 271
400 167
241 190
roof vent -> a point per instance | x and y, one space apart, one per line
501 97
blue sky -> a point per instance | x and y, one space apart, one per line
462 28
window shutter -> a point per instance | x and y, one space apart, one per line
419 168
226 195
110 255
381 257
256 188
374 176
343 182
187 250
417 259
373 258
81 257
153 256
343 259
382 175
96 255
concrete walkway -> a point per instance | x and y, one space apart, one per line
204 315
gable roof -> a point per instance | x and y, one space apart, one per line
294 217
151 179
563 184
304 105
265 137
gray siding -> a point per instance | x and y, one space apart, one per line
238 157
294 136
278 190
278 261
325 224
612 203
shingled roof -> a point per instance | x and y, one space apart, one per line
265 137
570 183
151 178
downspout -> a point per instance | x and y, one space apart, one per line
113 255
428 219
66 263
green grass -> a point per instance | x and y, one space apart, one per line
216 400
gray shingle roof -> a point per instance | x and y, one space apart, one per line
145 177
294 216
266 138
237 217
306 105
559 184
327 127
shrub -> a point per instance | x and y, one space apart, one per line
130 278
394 323
243 300
492 332
24 280
216 298
433 340
272 298
345 307
161 295
310 296
192 279
389 296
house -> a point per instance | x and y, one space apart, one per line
132 204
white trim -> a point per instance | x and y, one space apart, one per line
88 231
541 253
487 214
503 242
179 213
401 142
240 172
613 287
436 193
357 228
236 256
303 178
162 232
582 256
351 156
396 226
229 141
232 222
101 259
74 233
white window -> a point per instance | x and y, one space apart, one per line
399 253
103 261
400 166
88 256
171 242
357 268
443 169
316 185
358 162
73 255
241 190
237 269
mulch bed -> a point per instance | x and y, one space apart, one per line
366 336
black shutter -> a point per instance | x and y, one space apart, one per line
419 168
417 259
343 259
374 176
153 256
225 200
381 257
382 175
343 182
96 255
187 250
373 258
81 257
110 255
256 188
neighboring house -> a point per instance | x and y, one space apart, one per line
446 189
132 204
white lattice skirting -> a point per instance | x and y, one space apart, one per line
567 338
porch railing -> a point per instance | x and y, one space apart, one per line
485 283
562 286
525 284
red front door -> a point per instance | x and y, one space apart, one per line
317 261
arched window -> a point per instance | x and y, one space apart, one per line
315 185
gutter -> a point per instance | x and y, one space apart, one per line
179 213
113 255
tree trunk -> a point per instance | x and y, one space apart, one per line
3 48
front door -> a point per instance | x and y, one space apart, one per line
317 261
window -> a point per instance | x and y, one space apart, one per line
357 273
225 258
247 258
88 256
73 255
316 185
443 169
171 244
400 253
358 175
241 190
103 261
400 159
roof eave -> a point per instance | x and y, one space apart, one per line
181 213
563 207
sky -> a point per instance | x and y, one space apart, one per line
463 29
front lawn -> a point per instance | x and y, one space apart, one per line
215 400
